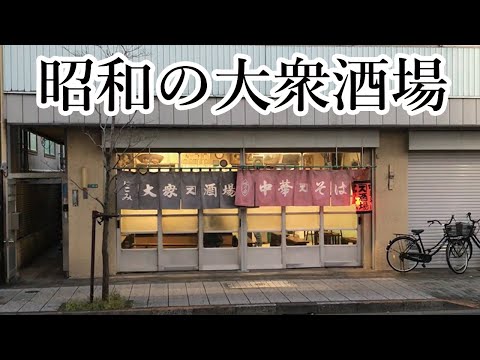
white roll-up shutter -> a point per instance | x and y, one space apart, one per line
441 184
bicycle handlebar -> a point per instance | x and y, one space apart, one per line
434 221
469 215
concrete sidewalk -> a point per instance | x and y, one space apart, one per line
299 291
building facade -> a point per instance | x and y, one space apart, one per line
421 167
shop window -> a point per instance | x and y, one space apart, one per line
327 159
273 159
340 229
367 158
352 159
340 221
340 224
313 159
147 160
209 160
342 209
264 226
347 159
302 224
220 227
138 229
180 228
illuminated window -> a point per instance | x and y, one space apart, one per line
180 228
138 229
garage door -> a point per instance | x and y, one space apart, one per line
441 184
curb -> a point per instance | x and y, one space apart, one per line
311 308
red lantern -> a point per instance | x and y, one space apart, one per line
362 196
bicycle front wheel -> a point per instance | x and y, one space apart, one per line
458 253
397 251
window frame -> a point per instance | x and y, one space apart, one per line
29 143
50 143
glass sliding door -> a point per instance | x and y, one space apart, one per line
220 240
264 237
179 239
341 236
302 236
137 240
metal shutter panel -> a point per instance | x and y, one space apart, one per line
441 184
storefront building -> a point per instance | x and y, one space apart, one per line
419 168
242 238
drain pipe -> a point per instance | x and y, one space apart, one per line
4 183
374 214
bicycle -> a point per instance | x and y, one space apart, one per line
406 251
464 244
459 248
472 234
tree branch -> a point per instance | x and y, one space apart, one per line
69 178
91 138
112 129
94 198
131 145
80 53
129 122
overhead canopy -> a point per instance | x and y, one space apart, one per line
248 139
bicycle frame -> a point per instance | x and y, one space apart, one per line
410 247
472 236
426 254
475 239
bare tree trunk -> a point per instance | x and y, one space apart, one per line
109 135
106 222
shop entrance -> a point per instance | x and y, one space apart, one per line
276 238
221 237
303 236
259 237
342 238
169 240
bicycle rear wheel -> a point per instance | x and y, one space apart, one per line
458 253
396 251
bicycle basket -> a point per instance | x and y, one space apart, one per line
468 230
459 229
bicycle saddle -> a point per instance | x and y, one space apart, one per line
416 232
